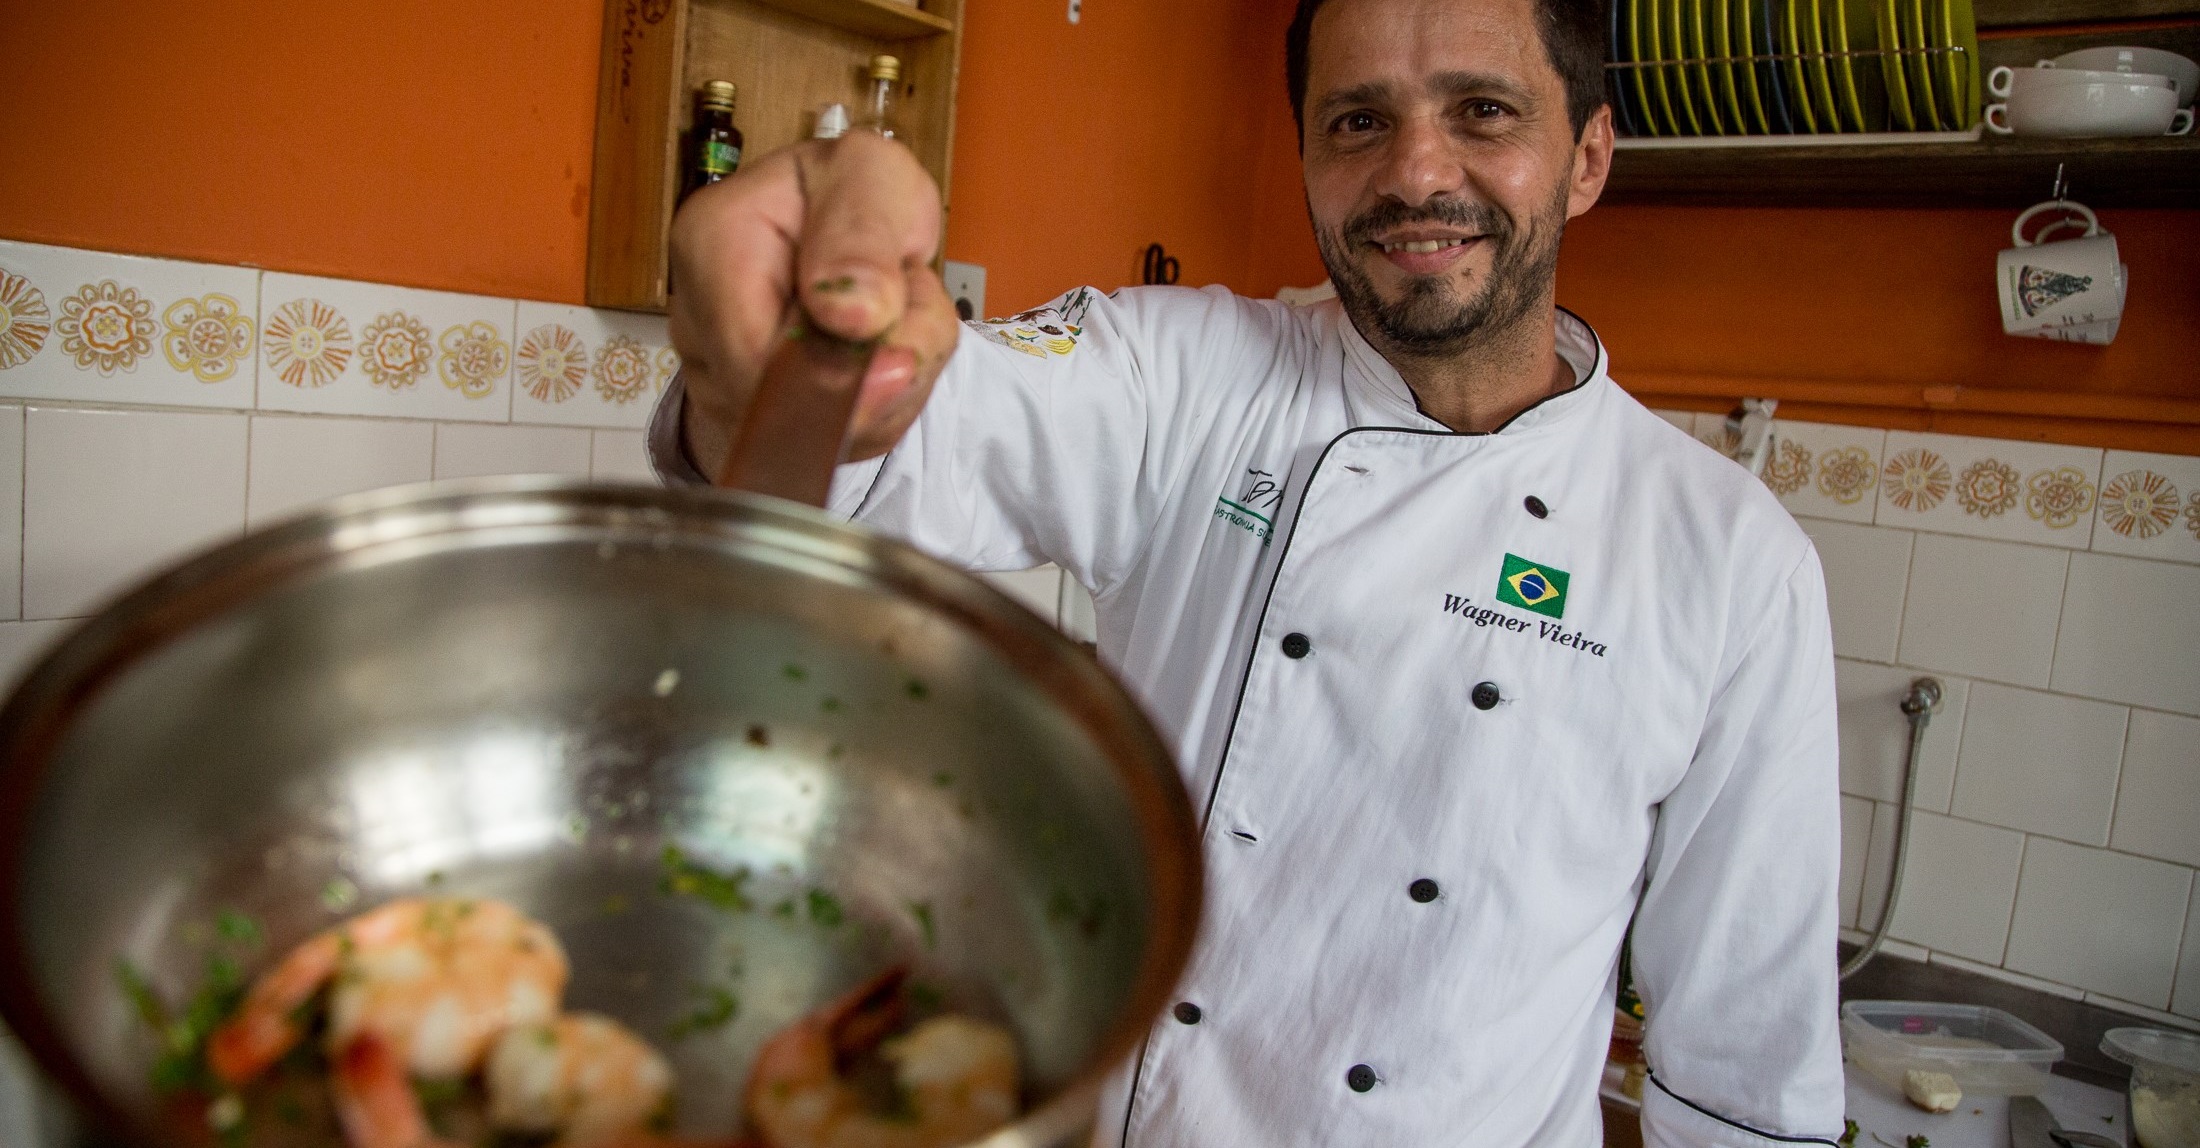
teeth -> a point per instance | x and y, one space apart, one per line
1423 246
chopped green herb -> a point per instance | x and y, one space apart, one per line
1064 907
435 878
922 911
825 908
784 909
1849 1129
943 779
925 997
684 878
917 690
830 705
151 1011
793 673
338 894
232 925
835 750
576 828
718 1008
615 904
433 1093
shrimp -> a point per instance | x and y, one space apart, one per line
585 1077
375 1102
437 979
958 1076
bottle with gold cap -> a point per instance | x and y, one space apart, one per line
882 107
716 148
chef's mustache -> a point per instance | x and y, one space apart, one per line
1479 218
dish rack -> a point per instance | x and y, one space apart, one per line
1741 73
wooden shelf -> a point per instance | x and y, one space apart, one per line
1997 171
878 19
789 58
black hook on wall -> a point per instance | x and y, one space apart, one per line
1160 267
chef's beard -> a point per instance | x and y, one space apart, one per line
1432 320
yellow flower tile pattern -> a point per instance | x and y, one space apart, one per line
1846 475
1916 479
1042 331
395 350
623 370
552 363
2139 503
1788 470
2058 496
2192 515
474 357
107 327
1988 487
207 337
307 343
668 365
24 319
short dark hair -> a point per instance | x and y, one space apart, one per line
1573 38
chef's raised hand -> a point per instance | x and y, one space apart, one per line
845 227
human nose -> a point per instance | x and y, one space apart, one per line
1421 164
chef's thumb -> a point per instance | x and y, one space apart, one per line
873 212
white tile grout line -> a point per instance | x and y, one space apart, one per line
2062 608
23 507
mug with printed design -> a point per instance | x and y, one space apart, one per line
2070 290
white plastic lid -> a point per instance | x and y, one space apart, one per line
832 123
2153 1048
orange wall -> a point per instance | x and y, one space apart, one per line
447 144
439 143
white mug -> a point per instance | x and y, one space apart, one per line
2071 290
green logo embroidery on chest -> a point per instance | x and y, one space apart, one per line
1532 586
1254 506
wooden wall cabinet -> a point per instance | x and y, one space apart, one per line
789 58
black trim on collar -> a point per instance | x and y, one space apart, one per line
1596 367
1738 1124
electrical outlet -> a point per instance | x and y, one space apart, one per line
966 286
1076 10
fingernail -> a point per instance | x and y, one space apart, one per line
846 301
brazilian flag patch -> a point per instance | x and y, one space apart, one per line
1532 586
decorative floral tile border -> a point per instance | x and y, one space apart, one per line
577 366
1819 470
2034 492
2149 506
335 346
92 327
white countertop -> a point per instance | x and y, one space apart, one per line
1979 1122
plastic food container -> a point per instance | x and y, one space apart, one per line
1986 1050
2165 1084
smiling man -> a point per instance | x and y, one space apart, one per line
1469 660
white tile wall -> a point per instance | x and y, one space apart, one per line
1875 736
1856 839
2185 1000
1959 886
2158 803
580 367
2040 762
335 346
1985 609
2033 492
22 643
2131 632
620 456
299 461
11 512
2105 922
1866 572
2150 506
107 495
463 451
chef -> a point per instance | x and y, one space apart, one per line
1469 659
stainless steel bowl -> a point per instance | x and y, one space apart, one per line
529 689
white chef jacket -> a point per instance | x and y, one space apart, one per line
1453 709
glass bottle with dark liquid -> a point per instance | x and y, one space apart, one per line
715 150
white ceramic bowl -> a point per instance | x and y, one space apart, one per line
2090 110
2005 81
2183 73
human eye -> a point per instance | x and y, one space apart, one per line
1357 122
1485 111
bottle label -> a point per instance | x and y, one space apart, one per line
720 158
